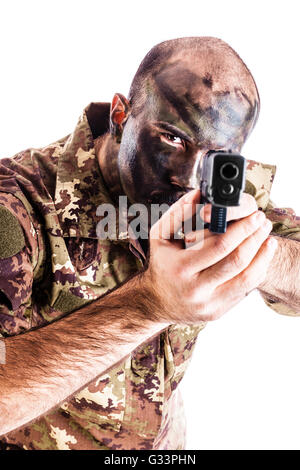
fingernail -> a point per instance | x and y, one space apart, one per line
191 237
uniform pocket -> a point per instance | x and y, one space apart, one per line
82 252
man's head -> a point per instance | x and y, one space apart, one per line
189 96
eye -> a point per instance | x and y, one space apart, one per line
173 140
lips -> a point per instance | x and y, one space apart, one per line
165 197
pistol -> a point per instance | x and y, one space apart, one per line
223 177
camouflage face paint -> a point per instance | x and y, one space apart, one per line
182 118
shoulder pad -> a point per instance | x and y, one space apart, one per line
11 234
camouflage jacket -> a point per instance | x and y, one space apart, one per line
52 263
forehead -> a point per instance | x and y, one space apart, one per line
210 112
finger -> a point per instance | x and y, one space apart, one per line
195 239
237 260
171 221
247 206
236 289
215 248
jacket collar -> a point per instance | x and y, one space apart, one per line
80 187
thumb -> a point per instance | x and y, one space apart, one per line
171 221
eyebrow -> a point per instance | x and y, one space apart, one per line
178 132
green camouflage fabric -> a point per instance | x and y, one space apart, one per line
52 263
285 222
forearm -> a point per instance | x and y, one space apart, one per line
283 276
46 366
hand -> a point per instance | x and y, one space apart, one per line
202 282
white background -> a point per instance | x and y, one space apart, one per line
242 389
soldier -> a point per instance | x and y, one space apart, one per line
98 332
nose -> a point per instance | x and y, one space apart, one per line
190 176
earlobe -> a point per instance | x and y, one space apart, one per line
119 112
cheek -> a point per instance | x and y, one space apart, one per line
137 172
155 156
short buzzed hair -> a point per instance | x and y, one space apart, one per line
220 66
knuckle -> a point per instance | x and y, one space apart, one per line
198 296
237 260
245 281
220 245
192 295
180 272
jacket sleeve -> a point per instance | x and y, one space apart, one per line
286 224
16 271
259 180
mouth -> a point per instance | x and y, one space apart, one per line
165 197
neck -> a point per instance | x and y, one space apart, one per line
107 154
107 150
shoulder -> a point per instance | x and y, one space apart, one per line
16 227
259 180
11 234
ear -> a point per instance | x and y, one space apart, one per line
119 112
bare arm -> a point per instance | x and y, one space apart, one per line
45 366
283 276
186 286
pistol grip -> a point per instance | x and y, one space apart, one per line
218 223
